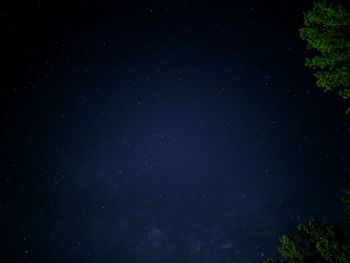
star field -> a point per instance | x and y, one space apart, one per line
166 131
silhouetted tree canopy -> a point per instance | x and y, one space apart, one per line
327 31
346 202
314 242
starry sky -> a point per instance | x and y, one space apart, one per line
162 131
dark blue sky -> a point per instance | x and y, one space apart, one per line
167 131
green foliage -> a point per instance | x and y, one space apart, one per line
271 260
314 242
346 202
327 32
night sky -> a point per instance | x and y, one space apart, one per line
162 131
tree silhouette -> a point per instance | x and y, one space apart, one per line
327 31
314 242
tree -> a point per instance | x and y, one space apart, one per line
315 242
327 31
346 202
